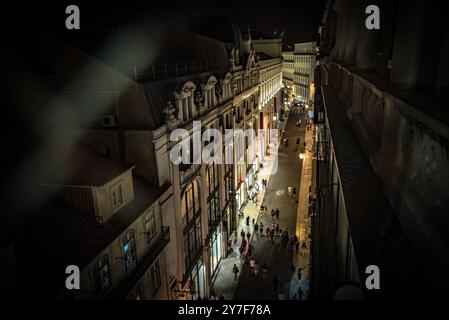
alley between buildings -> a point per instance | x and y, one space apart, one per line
281 261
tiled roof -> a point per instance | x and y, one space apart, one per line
60 235
89 171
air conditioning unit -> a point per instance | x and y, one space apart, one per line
109 121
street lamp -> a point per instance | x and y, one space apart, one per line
302 155
274 118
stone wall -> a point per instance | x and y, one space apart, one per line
410 152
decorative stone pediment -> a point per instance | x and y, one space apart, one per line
188 87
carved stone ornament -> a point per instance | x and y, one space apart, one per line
169 112
237 57
232 58
251 59
198 99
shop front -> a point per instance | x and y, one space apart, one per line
250 178
197 281
216 250
240 197
230 220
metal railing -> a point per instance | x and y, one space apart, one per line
173 70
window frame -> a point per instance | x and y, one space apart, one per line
98 274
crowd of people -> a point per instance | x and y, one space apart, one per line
273 234
272 231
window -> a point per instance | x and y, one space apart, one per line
190 203
101 274
193 242
214 209
117 197
212 178
229 184
185 107
155 277
150 225
129 251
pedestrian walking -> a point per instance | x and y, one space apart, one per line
242 234
277 228
297 144
253 221
248 235
256 228
247 221
300 293
261 227
303 246
277 214
268 233
272 214
292 244
252 262
289 190
235 270
256 268
294 191
264 272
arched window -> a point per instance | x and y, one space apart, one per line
191 219
209 92
184 99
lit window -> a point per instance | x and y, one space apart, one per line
129 250
101 274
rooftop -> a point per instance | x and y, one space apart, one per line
60 235
89 171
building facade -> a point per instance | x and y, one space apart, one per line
378 200
298 70
168 239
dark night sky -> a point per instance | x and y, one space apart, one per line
300 18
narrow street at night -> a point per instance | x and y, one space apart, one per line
281 261
291 152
